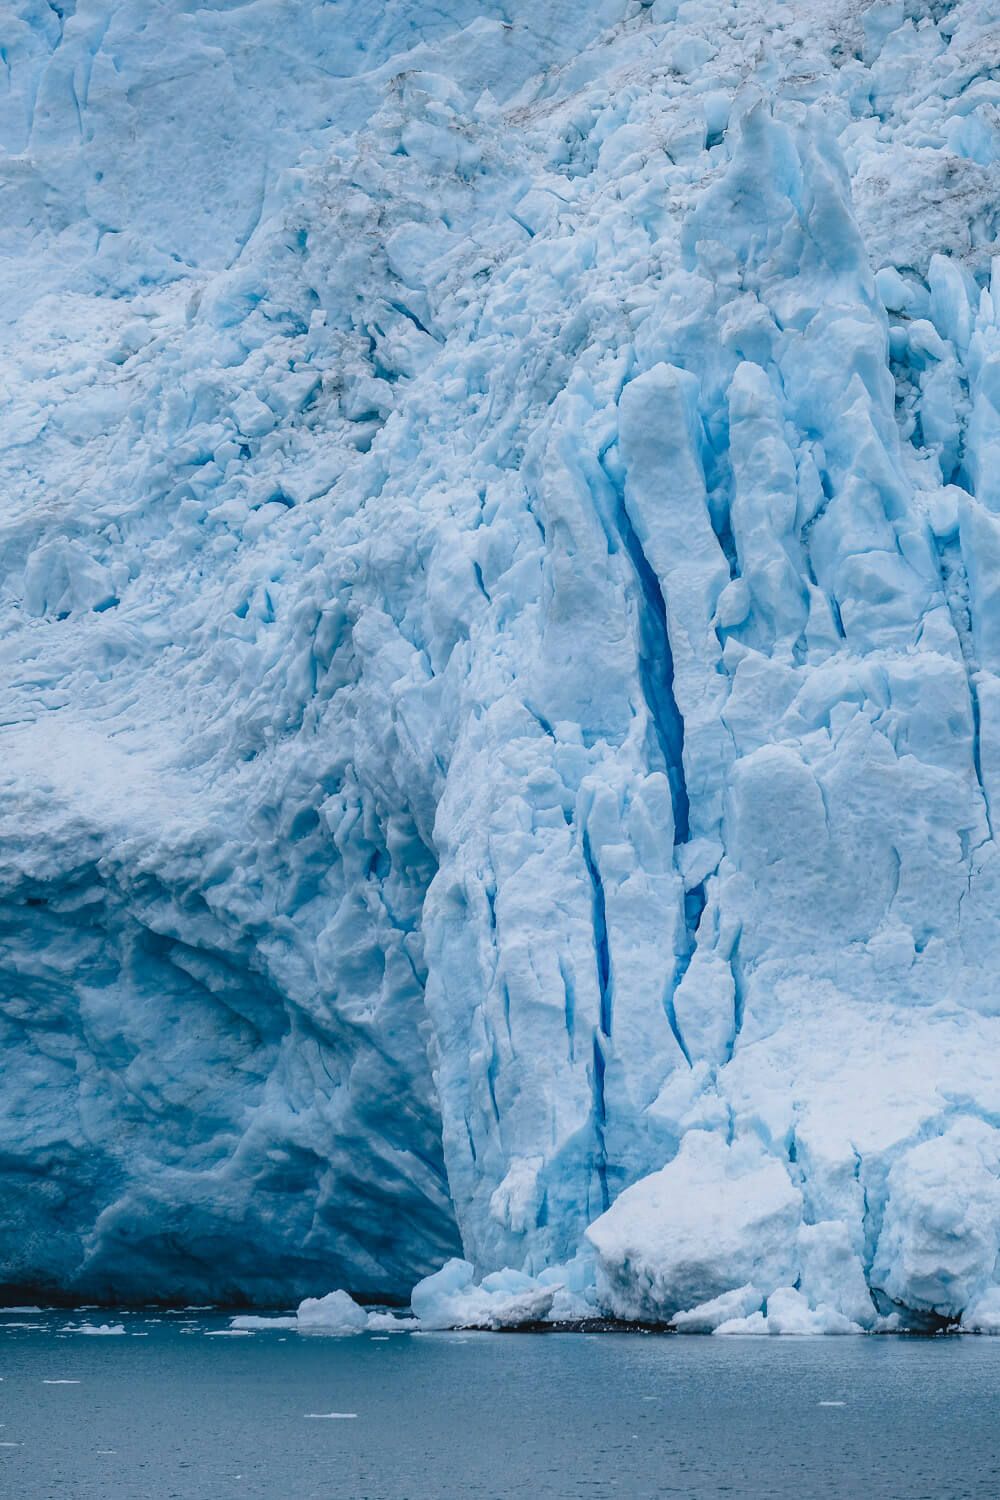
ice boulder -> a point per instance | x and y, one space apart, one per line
336 1314
717 1217
451 1298
61 578
941 1227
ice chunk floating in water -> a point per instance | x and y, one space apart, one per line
501 659
336 1313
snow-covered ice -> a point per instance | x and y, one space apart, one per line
501 656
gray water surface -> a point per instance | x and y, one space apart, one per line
166 1412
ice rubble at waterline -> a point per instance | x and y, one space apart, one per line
501 654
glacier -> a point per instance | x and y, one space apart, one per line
500 636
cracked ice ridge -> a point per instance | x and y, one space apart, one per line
501 654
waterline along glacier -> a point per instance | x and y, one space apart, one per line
500 689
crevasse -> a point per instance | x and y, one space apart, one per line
501 653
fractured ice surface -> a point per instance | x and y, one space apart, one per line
500 638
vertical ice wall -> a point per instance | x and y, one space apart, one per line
499 538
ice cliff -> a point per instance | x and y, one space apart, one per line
500 629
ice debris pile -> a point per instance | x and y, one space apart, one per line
501 653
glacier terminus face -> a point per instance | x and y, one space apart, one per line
500 630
